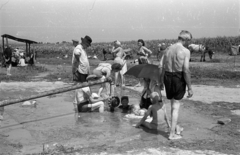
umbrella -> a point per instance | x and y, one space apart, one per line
149 71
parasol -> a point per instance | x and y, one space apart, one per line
149 71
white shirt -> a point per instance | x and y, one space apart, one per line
81 64
82 94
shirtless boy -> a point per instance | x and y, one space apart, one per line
175 75
158 111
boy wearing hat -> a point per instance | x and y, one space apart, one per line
80 62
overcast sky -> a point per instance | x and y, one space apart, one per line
109 20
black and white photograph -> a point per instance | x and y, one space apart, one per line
119 77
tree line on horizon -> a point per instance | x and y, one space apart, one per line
217 44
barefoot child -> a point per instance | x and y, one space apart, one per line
158 110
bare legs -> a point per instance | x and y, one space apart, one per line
99 106
9 69
122 78
175 105
116 77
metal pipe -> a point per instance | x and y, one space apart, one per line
55 91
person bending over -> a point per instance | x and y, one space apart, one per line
103 70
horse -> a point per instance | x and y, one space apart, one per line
202 49
235 50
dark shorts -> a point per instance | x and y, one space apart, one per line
175 85
142 60
78 77
83 107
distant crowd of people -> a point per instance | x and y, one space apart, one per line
174 77
16 57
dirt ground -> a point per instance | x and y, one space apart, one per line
53 128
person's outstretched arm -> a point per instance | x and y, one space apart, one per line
161 73
187 73
144 117
147 50
124 55
115 50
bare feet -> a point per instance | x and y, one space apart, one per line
179 130
174 137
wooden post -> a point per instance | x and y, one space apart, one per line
52 92
27 50
3 44
7 41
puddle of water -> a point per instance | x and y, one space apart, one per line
54 121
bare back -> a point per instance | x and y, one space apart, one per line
174 58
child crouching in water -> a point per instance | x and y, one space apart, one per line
158 111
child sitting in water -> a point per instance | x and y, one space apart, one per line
124 103
158 112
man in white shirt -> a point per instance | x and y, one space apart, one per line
80 62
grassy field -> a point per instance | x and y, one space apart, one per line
222 70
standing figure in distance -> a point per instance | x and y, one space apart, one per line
120 59
7 53
143 53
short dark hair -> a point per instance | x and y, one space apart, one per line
115 101
124 98
116 66
141 41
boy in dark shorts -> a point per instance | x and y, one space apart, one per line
176 76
